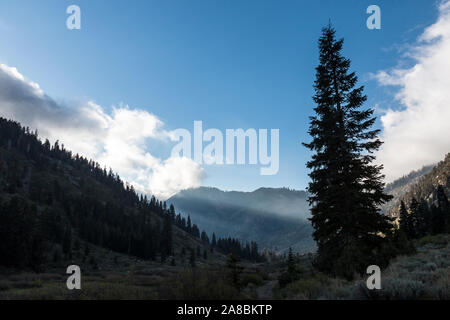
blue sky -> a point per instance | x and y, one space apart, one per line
231 64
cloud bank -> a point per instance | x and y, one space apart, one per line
117 140
419 134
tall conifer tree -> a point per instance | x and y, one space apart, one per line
346 188
405 224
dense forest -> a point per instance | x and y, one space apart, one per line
51 198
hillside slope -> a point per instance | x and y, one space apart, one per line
421 185
401 186
54 205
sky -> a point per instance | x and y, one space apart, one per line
116 89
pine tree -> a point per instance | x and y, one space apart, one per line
409 221
172 212
192 258
444 208
404 223
234 268
291 264
167 238
189 224
424 219
213 241
346 188
67 244
437 220
413 219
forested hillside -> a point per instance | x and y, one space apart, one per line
401 186
52 200
422 186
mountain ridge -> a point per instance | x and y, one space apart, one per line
269 216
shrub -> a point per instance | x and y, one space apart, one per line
252 278
4 285
403 289
441 291
304 289
439 240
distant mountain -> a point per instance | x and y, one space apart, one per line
421 184
275 218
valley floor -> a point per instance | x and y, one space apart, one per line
425 275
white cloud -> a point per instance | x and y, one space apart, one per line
419 134
118 140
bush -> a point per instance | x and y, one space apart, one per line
439 239
285 278
252 278
304 289
441 291
4 285
403 289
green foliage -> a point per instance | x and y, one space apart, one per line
312 287
403 289
22 239
234 269
292 272
251 278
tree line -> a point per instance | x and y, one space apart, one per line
420 218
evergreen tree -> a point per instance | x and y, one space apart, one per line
192 258
438 220
172 213
234 268
189 224
213 241
443 209
163 256
404 219
291 264
167 240
413 219
424 219
346 188
410 222
67 244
